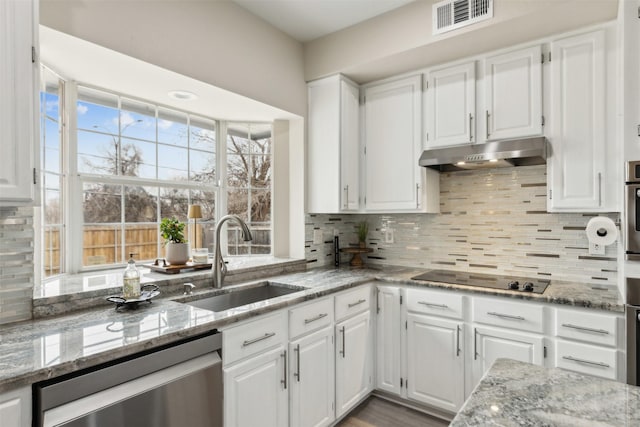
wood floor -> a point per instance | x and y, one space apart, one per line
376 412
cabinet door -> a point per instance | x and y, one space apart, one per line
15 408
255 391
349 146
388 342
353 361
312 371
18 80
392 145
490 344
451 106
435 361
577 164
514 94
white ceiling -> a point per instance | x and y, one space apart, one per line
306 20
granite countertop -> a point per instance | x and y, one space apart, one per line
52 346
520 394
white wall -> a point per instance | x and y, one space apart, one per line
216 42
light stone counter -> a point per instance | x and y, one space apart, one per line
49 347
520 394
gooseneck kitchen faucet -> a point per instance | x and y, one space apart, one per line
219 267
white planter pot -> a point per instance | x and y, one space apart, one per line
176 253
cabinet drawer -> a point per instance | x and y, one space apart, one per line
506 314
310 317
352 302
447 304
253 337
595 328
587 359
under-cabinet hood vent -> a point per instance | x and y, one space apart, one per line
517 152
453 14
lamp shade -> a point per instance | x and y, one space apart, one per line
194 211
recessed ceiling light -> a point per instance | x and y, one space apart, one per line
182 95
493 160
460 163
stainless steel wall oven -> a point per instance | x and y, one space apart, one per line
632 211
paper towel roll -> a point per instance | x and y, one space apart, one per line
601 230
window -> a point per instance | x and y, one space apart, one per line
135 163
249 185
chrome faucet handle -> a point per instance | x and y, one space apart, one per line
188 288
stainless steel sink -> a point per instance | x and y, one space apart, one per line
242 296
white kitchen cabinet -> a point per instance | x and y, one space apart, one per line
256 391
15 408
334 153
19 102
312 371
435 361
490 344
513 94
577 166
353 361
392 136
388 341
451 106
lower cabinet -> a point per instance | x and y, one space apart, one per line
311 368
388 340
15 408
490 344
353 366
256 391
435 361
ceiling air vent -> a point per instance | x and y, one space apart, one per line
453 14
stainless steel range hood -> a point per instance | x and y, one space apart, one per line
515 152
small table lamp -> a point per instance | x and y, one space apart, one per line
195 212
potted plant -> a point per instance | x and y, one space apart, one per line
363 230
176 247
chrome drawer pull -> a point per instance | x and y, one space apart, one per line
588 362
313 319
506 316
582 328
353 304
431 304
255 340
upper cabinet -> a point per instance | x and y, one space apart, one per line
18 103
392 136
513 91
577 167
451 106
333 146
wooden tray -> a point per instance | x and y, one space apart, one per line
175 269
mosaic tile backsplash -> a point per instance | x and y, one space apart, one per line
491 221
16 263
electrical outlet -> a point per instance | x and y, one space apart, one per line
317 237
388 235
596 249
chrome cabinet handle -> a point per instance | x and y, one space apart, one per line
313 319
297 374
487 122
583 328
417 196
458 340
346 197
431 304
255 340
599 188
588 362
344 350
470 131
284 376
475 344
505 316
360 301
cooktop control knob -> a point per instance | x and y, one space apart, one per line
514 285
528 286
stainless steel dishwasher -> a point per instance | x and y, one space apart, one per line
176 386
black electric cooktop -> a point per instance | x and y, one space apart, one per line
512 283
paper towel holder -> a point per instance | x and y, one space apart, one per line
601 231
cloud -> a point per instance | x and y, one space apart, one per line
125 119
164 124
82 108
